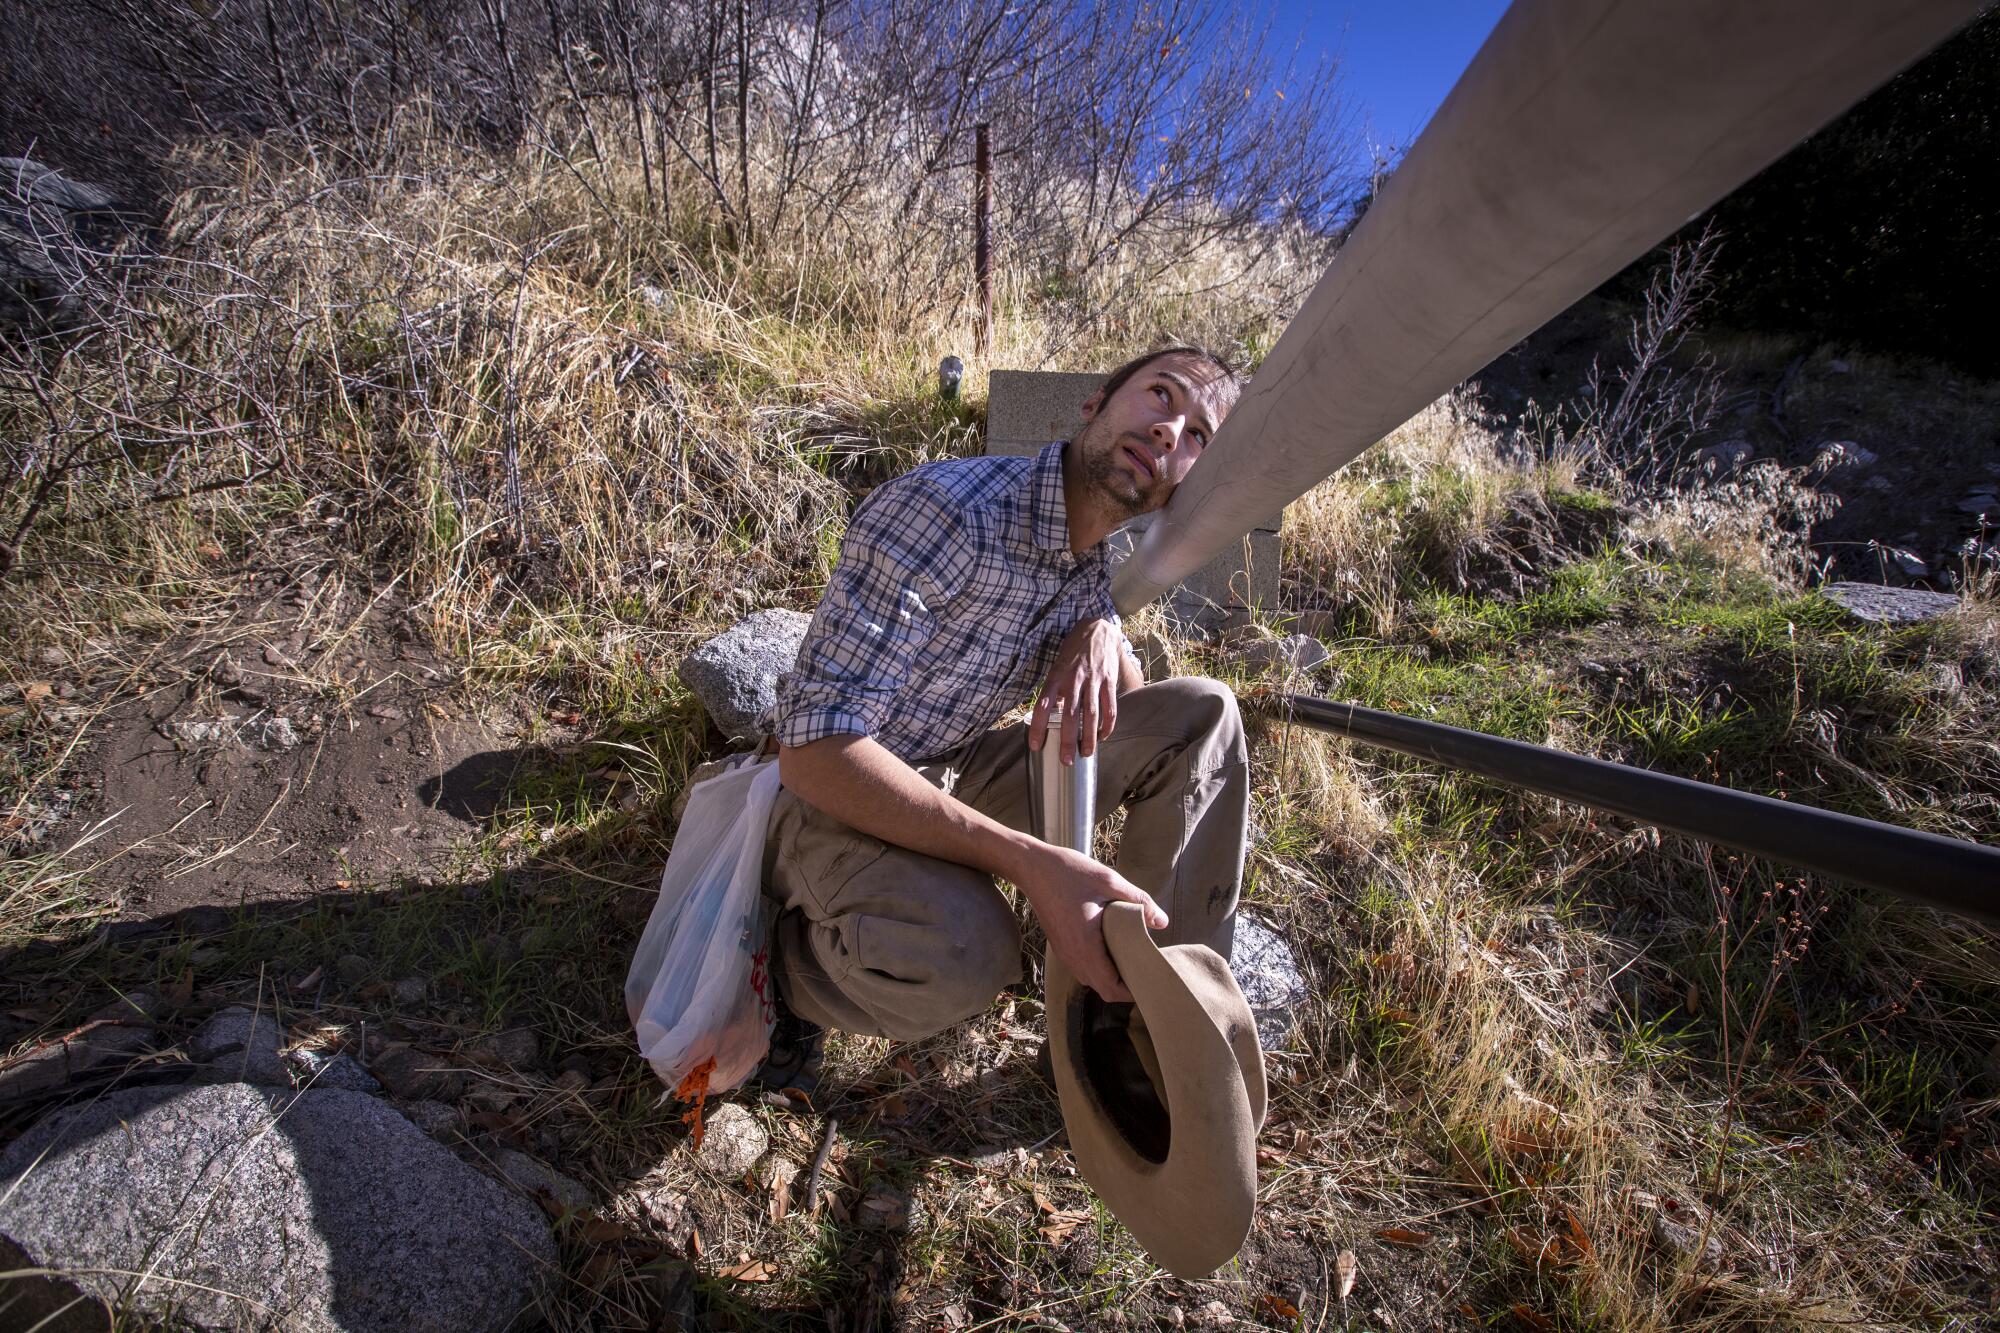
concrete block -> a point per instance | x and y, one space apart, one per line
1222 593
1027 409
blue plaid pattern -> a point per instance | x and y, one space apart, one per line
954 589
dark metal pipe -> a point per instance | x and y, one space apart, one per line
1944 872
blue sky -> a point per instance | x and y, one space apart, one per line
1398 57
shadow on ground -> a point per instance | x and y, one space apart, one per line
445 968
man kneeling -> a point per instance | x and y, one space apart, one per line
960 587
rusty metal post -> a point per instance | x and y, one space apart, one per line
982 241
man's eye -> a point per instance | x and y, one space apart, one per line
1161 390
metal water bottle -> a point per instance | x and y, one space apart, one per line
1062 797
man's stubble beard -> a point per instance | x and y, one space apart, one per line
1113 484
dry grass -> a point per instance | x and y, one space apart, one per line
1427 500
1625 1052
503 380
1759 522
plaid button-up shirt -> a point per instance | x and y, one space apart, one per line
954 589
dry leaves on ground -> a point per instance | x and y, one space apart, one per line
1059 1225
1273 1304
1407 1237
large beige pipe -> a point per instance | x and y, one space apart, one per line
1584 132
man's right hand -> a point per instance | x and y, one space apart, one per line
865 787
1069 892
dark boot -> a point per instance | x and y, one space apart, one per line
796 1055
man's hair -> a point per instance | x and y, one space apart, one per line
1228 378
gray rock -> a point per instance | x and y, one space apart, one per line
433 1118
1269 977
410 990
536 1177
417 1076
1725 457
239 1045
278 734
1305 652
491 1097
252 1209
1843 456
120 1032
206 730
27 183
1294 652
735 674
667 1207
1889 606
516 1048
317 1069
352 969
54 236
1909 562
732 1142
1979 502
1212 1315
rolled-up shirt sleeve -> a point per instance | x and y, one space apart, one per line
903 559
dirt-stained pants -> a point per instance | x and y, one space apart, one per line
876 939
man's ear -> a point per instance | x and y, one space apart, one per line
1092 403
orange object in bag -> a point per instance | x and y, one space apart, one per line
699 988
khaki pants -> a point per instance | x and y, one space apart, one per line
876 939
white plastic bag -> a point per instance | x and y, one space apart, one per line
700 984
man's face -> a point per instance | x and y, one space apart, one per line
1137 444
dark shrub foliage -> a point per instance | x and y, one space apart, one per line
1883 229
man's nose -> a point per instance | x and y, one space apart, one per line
1168 431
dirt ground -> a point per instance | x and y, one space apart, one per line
308 743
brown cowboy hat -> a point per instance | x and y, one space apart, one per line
1163 1097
